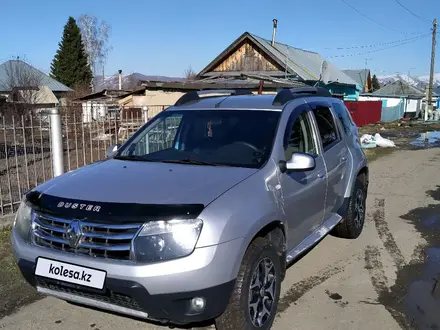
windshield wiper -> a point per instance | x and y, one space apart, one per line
188 161
132 157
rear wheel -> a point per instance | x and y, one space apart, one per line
352 225
254 300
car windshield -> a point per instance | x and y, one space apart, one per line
241 138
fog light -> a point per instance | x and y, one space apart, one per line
198 304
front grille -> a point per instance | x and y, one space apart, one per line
110 241
109 296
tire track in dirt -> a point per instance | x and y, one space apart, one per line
299 289
379 281
393 297
385 234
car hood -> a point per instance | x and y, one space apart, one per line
121 181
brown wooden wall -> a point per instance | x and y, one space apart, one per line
247 58
368 87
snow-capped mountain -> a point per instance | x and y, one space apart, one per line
129 81
420 82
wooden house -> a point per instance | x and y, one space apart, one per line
252 55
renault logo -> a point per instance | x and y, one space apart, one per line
74 233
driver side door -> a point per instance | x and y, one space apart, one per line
304 191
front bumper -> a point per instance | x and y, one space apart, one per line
132 299
161 291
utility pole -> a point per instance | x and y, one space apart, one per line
431 73
409 74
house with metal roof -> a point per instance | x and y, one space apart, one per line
400 88
399 100
101 105
362 77
19 74
28 89
254 56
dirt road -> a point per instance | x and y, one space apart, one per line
341 284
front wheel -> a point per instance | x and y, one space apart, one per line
254 300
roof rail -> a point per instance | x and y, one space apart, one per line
286 95
195 95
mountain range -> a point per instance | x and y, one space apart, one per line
129 81
420 82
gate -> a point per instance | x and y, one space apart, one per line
365 112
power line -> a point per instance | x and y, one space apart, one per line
374 21
381 49
375 45
412 13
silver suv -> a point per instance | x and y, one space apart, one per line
198 214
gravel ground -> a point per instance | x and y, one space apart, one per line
382 280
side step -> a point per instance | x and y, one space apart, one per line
313 238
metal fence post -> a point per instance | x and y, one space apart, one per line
147 138
57 142
145 112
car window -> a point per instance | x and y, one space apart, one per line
326 126
226 137
300 137
160 136
344 117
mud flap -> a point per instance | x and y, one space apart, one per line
344 208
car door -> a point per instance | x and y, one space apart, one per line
304 192
335 154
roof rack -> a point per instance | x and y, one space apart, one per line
286 95
195 95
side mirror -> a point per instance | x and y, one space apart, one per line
299 162
111 150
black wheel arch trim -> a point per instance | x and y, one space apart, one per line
342 211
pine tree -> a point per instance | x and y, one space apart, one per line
70 65
375 83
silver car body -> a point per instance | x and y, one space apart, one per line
237 204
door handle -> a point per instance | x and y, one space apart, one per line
344 158
321 175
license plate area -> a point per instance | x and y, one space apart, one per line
70 273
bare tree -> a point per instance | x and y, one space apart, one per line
95 37
23 84
190 74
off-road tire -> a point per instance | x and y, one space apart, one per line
347 228
236 315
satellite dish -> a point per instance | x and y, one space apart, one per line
325 72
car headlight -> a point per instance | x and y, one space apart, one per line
165 240
23 220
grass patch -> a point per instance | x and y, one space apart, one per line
7 265
14 291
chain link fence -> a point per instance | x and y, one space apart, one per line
26 155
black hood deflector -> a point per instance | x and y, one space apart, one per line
110 212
